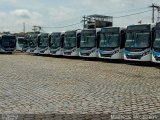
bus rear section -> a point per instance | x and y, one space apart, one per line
7 43
56 41
89 43
43 44
156 45
112 42
139 39
71 43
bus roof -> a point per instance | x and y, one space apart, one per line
77 31
140 27
7 35
20 37
96 29
57 33
158 24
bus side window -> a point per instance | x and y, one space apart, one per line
153 35
78 40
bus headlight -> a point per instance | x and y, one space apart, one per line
73 50
94 50
2 50
146 53
116 51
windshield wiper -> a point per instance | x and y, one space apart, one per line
107 37
133 39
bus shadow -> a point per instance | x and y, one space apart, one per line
58 56
40 55
157 65
114 61
6 53
131 63
16 53
118 61
103 60
143 64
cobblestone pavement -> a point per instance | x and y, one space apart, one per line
73 87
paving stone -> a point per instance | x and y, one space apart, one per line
61 86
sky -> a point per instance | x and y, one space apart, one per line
59 13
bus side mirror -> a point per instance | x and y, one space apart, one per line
78 40
49 41
62 41
98 39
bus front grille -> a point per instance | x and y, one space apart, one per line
106 55
134 56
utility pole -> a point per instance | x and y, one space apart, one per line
37 28
24 27
84 21
158 18
34 29
153 6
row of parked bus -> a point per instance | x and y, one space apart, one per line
135 43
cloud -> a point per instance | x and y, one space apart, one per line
62 16
13 1
13 20
25 14
61 13
66 12
29 17
2 14
102 3
22 13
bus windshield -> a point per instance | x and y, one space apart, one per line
25 43
55 41
157 40
137 40
88 40
33 42
109 40
20 40
8 41
70 41
43 42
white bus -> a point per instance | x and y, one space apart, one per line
138 42
156 45
43 44
56 43
112 42
71 43
7 43
33 43
89 42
